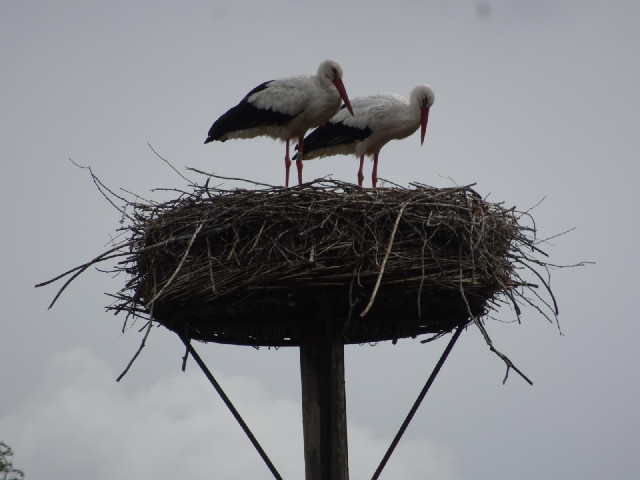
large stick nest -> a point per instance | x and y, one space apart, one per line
254 266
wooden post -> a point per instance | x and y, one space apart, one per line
324 414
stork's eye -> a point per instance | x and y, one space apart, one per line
335 72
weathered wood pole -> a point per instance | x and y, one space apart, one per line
324 413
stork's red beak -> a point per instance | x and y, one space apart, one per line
343 93
424 117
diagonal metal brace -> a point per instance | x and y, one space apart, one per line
418 401
230 406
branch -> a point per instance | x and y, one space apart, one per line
384 262
487 339
175 272
142 344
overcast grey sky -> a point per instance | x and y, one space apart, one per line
533 99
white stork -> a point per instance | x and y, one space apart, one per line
378 119
284 109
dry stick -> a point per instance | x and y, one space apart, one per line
352 304
168 163
516 307
175 272
384 261
488 341
201 172
424 244
87 264
133 359
235 243
79 269
230 406
144 339
101 258
546 285
184 360
258 237
418 401
545 240
209 257
99 185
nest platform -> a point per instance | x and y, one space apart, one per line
254 267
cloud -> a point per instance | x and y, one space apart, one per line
79 423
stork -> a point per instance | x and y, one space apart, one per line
377 119
285 109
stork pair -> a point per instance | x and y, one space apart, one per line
287 108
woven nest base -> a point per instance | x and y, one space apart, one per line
252 267
276 318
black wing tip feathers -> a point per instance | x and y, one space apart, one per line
214 134
333 134
226 122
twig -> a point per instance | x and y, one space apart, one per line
201 172
424 245
545 240
184 360
78 271
97 259
101 186
384 261
168 163
488 341
210 259
133 359
173 275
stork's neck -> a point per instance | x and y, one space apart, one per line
414 105
325 82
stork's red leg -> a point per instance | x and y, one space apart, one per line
287 165
374 175
360 175
299 160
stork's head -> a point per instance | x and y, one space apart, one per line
423 97
331 70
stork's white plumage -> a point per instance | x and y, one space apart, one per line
284 109
377 119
